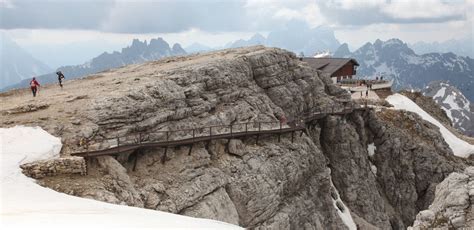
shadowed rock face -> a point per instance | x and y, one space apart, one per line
452 207
277 185
391 186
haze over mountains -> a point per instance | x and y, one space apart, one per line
137 52
462 47
295 37
392 59
17 64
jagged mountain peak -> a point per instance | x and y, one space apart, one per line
257 36
137 52
342 51
177 49
458 108
158 42
393 59
390 44
137 42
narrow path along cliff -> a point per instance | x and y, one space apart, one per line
324 178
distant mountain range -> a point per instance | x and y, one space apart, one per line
295 37
459 110
197 47
138 52
16 64
461 47
394 59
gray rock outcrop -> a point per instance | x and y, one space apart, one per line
53 167
266 185
452 207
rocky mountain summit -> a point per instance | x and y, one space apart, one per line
394 59
458 108
137 52
374 169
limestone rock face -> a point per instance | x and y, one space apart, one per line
411 157
269 184
388 187
216 205
118 181
52 167
452 207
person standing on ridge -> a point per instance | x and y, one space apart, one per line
60 78
34 86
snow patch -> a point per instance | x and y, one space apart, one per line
371 149
373 168
440 93
460 148
325 54
27 205
345 215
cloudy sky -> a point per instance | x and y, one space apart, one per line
85 27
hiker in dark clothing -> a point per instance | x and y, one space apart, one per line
34 86
366 93
60 78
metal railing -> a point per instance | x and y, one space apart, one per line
212 132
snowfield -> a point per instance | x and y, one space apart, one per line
460 148
26 205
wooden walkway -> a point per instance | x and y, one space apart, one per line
187 137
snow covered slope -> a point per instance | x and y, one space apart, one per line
460 148
458 108
27 205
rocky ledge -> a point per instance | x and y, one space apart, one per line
381 167
453 205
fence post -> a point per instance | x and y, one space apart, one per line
259 126
139 138
231 130
167 135
246 127
210 131
193 134
279 134
118 143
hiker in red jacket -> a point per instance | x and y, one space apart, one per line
34 86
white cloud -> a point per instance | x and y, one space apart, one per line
6 4
359 4
423 9
356 12
309 13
